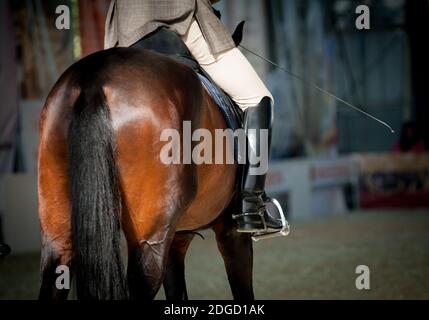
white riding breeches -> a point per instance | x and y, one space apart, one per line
229 69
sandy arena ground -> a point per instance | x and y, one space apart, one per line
317 261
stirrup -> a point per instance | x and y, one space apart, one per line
267 233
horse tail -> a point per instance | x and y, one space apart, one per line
95 199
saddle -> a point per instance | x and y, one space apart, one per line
168 43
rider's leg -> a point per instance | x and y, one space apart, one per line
235 75
258 126
229 69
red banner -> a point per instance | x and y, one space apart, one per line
394 180
92 15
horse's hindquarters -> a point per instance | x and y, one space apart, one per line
143 94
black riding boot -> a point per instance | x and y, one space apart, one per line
253 216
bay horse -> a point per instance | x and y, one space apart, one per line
100 175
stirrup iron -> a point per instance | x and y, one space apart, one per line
266 234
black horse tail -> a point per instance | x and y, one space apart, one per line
95 199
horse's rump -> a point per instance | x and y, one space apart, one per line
143 93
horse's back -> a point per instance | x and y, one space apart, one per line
135 77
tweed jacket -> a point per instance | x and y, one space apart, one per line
128 21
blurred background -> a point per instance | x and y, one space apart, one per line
355 193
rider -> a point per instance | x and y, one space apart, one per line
213 47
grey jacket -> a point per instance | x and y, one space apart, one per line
128 21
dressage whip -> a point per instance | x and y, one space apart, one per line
312 85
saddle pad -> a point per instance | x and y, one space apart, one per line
223 102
